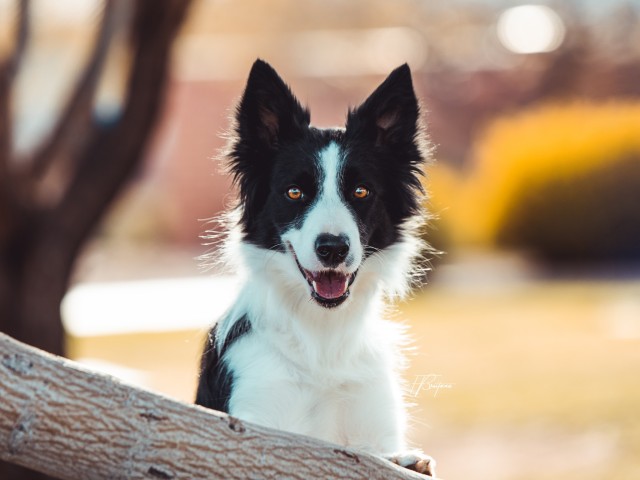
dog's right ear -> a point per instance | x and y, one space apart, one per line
269 113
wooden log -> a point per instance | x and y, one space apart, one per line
63 420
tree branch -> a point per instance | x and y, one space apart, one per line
113 152
22 35
62 420
77 118
8 70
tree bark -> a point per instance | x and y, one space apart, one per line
62 420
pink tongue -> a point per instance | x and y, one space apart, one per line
330 285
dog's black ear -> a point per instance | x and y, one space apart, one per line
268 113
390 115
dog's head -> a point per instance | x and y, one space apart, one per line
326 199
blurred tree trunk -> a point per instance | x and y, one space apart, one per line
52 201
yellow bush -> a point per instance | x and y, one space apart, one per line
442 181
561 180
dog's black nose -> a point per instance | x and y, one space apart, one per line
332 249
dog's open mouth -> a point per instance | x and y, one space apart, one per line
329 288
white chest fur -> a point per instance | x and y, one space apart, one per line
357 403
330 374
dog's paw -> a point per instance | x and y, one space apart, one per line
415 460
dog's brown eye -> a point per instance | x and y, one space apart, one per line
294 193
361 192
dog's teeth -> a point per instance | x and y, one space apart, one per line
314 285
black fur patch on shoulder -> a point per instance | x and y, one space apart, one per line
216 379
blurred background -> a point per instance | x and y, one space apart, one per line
527 332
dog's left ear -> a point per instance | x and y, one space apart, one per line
390 115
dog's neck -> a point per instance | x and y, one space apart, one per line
286 315
276 300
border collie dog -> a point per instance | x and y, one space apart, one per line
324 232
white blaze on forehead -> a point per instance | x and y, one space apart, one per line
331 166
329 213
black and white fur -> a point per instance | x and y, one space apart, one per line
324 231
